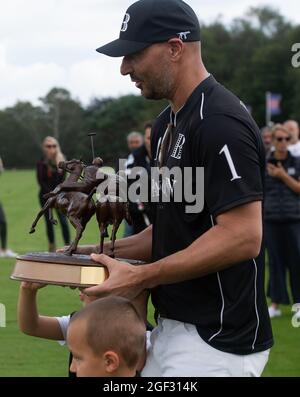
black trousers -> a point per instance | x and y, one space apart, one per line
49 227
3 229
283 245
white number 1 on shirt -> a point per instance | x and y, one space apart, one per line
226 151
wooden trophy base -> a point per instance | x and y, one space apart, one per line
59 269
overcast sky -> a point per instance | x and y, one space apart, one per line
46 43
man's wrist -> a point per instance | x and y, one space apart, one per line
284 176
88 249
149 275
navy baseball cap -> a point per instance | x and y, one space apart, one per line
147 22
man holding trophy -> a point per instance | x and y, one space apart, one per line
205 270
202 265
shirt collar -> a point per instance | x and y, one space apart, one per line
202 88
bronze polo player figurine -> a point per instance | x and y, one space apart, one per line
78 206
74 199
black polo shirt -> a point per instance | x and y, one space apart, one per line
213 130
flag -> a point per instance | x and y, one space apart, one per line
274 104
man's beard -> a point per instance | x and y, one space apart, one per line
159 88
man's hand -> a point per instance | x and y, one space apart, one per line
276 171
124 279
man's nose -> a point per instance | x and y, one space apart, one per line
126 67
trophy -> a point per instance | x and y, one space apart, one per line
74 199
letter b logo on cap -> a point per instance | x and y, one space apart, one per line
125 23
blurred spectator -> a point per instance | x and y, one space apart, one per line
147 138
282 221
293 128
4 251
266 134
140 212
134 141
49 176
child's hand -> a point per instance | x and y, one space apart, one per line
86 299
32 286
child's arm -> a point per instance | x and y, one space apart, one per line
30 322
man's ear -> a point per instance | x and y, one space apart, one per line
175 48
111 361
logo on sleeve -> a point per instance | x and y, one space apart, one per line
125 23
177 152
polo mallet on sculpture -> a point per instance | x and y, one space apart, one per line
91 135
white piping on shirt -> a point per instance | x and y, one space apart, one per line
222 296
175 116
160 144
201 107
255 302
256 311
161 138
222 310
158 148
163 111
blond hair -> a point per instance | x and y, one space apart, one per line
279 127
59 155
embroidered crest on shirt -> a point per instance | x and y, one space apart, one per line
178 148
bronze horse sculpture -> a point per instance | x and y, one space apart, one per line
74 199
79 207
112 209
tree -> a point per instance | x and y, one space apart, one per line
65 118
113 119
22 129
250 56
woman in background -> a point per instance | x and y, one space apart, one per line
4 251
282 221
49 176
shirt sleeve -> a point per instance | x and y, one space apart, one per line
230 152
64 322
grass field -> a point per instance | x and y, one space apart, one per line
21 355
